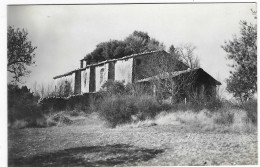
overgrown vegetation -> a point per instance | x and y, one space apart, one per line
123 105
122 109
224 120
25 111
22 104
130 104
250 107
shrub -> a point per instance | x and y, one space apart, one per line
57 119
114 87
93 103
117 110
224 118
111 87
22 104
209 103
250 107
214 104
147 106
120 109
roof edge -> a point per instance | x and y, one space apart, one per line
107 61
176 73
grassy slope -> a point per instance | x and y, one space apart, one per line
87 143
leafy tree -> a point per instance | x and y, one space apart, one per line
153 44
20 53
108 50
140 41
243 51
136 42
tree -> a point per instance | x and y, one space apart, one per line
186 54
139 42
20 53
136 42
243 51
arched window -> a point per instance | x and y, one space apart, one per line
101 75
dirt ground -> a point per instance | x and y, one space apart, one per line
87 143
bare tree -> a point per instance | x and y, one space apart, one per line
187 56
42 91
63 89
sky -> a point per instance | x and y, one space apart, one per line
64 34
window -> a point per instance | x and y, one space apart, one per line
101 75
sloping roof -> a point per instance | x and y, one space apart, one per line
107 61
130 56
175 74
63 75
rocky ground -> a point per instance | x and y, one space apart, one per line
87 143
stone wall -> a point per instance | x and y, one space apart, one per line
153 64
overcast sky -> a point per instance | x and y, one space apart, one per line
65 34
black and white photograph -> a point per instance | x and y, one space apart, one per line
131 84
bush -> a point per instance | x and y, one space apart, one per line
251 110
120 109
224 118
209 103
57 119
214 104
22 104
114 87
147 106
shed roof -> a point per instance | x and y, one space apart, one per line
177 73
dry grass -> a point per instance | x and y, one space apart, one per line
233 120
47 120
18 124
